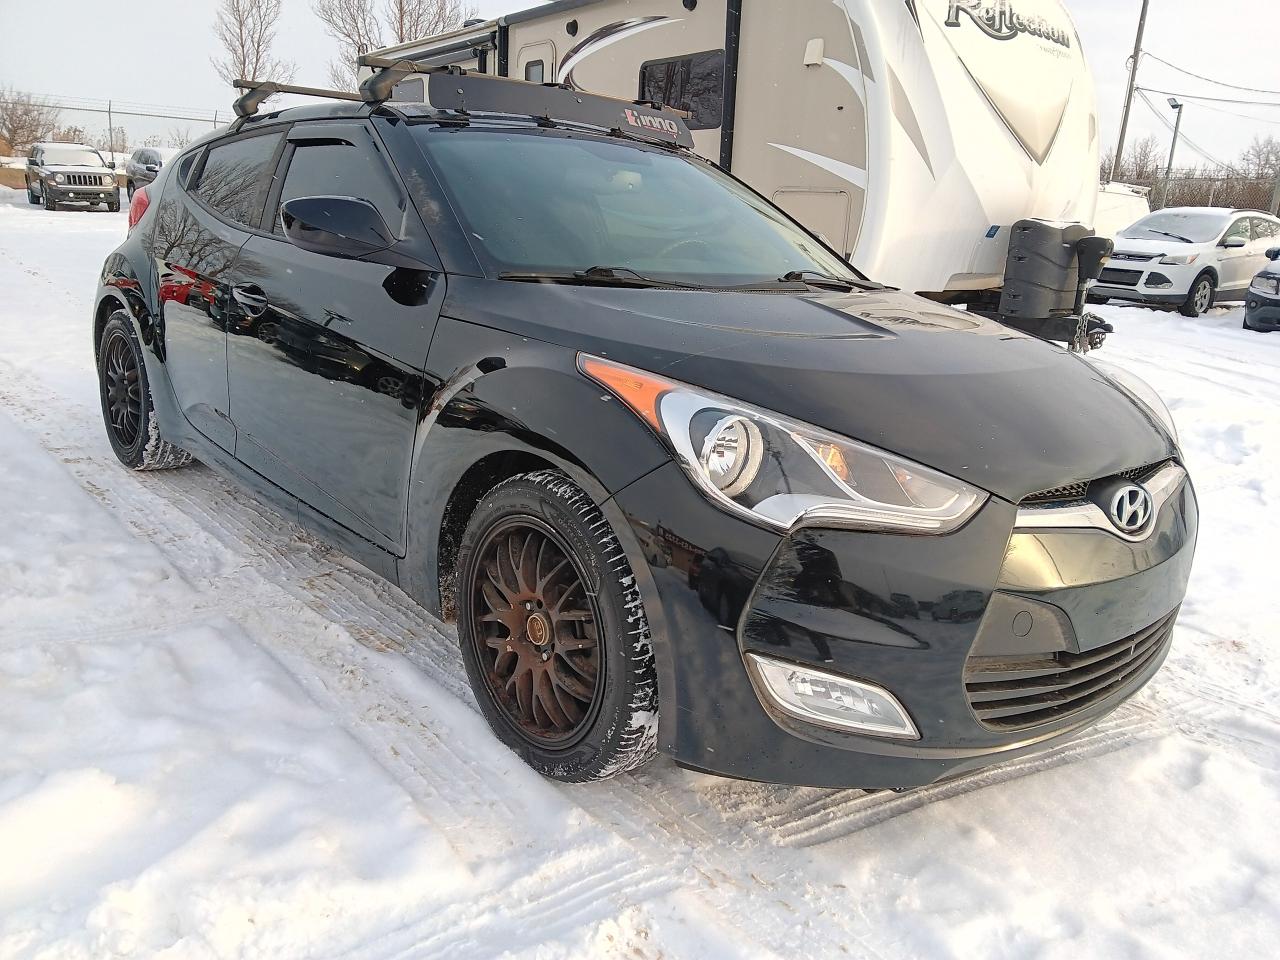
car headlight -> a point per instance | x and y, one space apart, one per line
58 178
1180 260
1139 390
1265 284
781 472
107 179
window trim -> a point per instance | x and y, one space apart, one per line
724 81
297 136
197 173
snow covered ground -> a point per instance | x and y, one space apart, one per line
219 738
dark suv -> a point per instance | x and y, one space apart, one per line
685 478
59 173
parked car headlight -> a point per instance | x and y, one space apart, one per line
1265 284
1140 391
58 178
782 472
1181 259
107 179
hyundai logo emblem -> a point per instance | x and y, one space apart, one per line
1131 508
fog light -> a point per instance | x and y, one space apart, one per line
832 701
1159 281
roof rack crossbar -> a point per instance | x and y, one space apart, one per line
257 92
388 72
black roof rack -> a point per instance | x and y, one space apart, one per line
460 91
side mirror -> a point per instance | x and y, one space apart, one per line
335 226
31 161
153 168
1235 243
1273 253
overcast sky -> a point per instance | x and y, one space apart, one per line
162 57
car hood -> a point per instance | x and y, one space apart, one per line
1001 410
96 171
1156 246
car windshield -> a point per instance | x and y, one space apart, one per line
1184 227
72 157
552 202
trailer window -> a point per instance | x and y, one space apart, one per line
536 71
694 84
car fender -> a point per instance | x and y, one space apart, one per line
504 405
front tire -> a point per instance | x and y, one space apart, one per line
553 631
126 401
33 198
1200 297
49 202
129 189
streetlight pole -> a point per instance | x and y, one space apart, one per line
1168 171
1128 97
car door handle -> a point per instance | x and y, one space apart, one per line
251 297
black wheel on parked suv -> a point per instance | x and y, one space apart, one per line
113 206
33 198
49 202
1200 298
126 401
553 632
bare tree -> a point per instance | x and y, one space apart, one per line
179 137
25 120
360 26
247 30
112 140
68 134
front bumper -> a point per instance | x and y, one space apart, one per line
1262 311
63 193
904 613
1146 281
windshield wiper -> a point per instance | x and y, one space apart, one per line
816 279
599 276
1166 233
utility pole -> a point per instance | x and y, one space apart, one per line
111 132
1168 171
1128 98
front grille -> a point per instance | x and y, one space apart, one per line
1135 257
1014 693
84 180
1076 491
1120 278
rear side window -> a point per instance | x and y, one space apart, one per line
1264 229
236 175
340 168
693 84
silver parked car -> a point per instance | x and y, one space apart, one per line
143 165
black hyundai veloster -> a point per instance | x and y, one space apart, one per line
687 481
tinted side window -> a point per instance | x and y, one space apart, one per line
338 168
236 175
694 84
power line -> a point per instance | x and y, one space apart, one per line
1196 96
1220 83
1189 142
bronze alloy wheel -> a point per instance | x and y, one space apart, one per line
122 389
536 632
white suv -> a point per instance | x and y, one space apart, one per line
1188 257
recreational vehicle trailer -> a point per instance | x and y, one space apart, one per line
912 135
